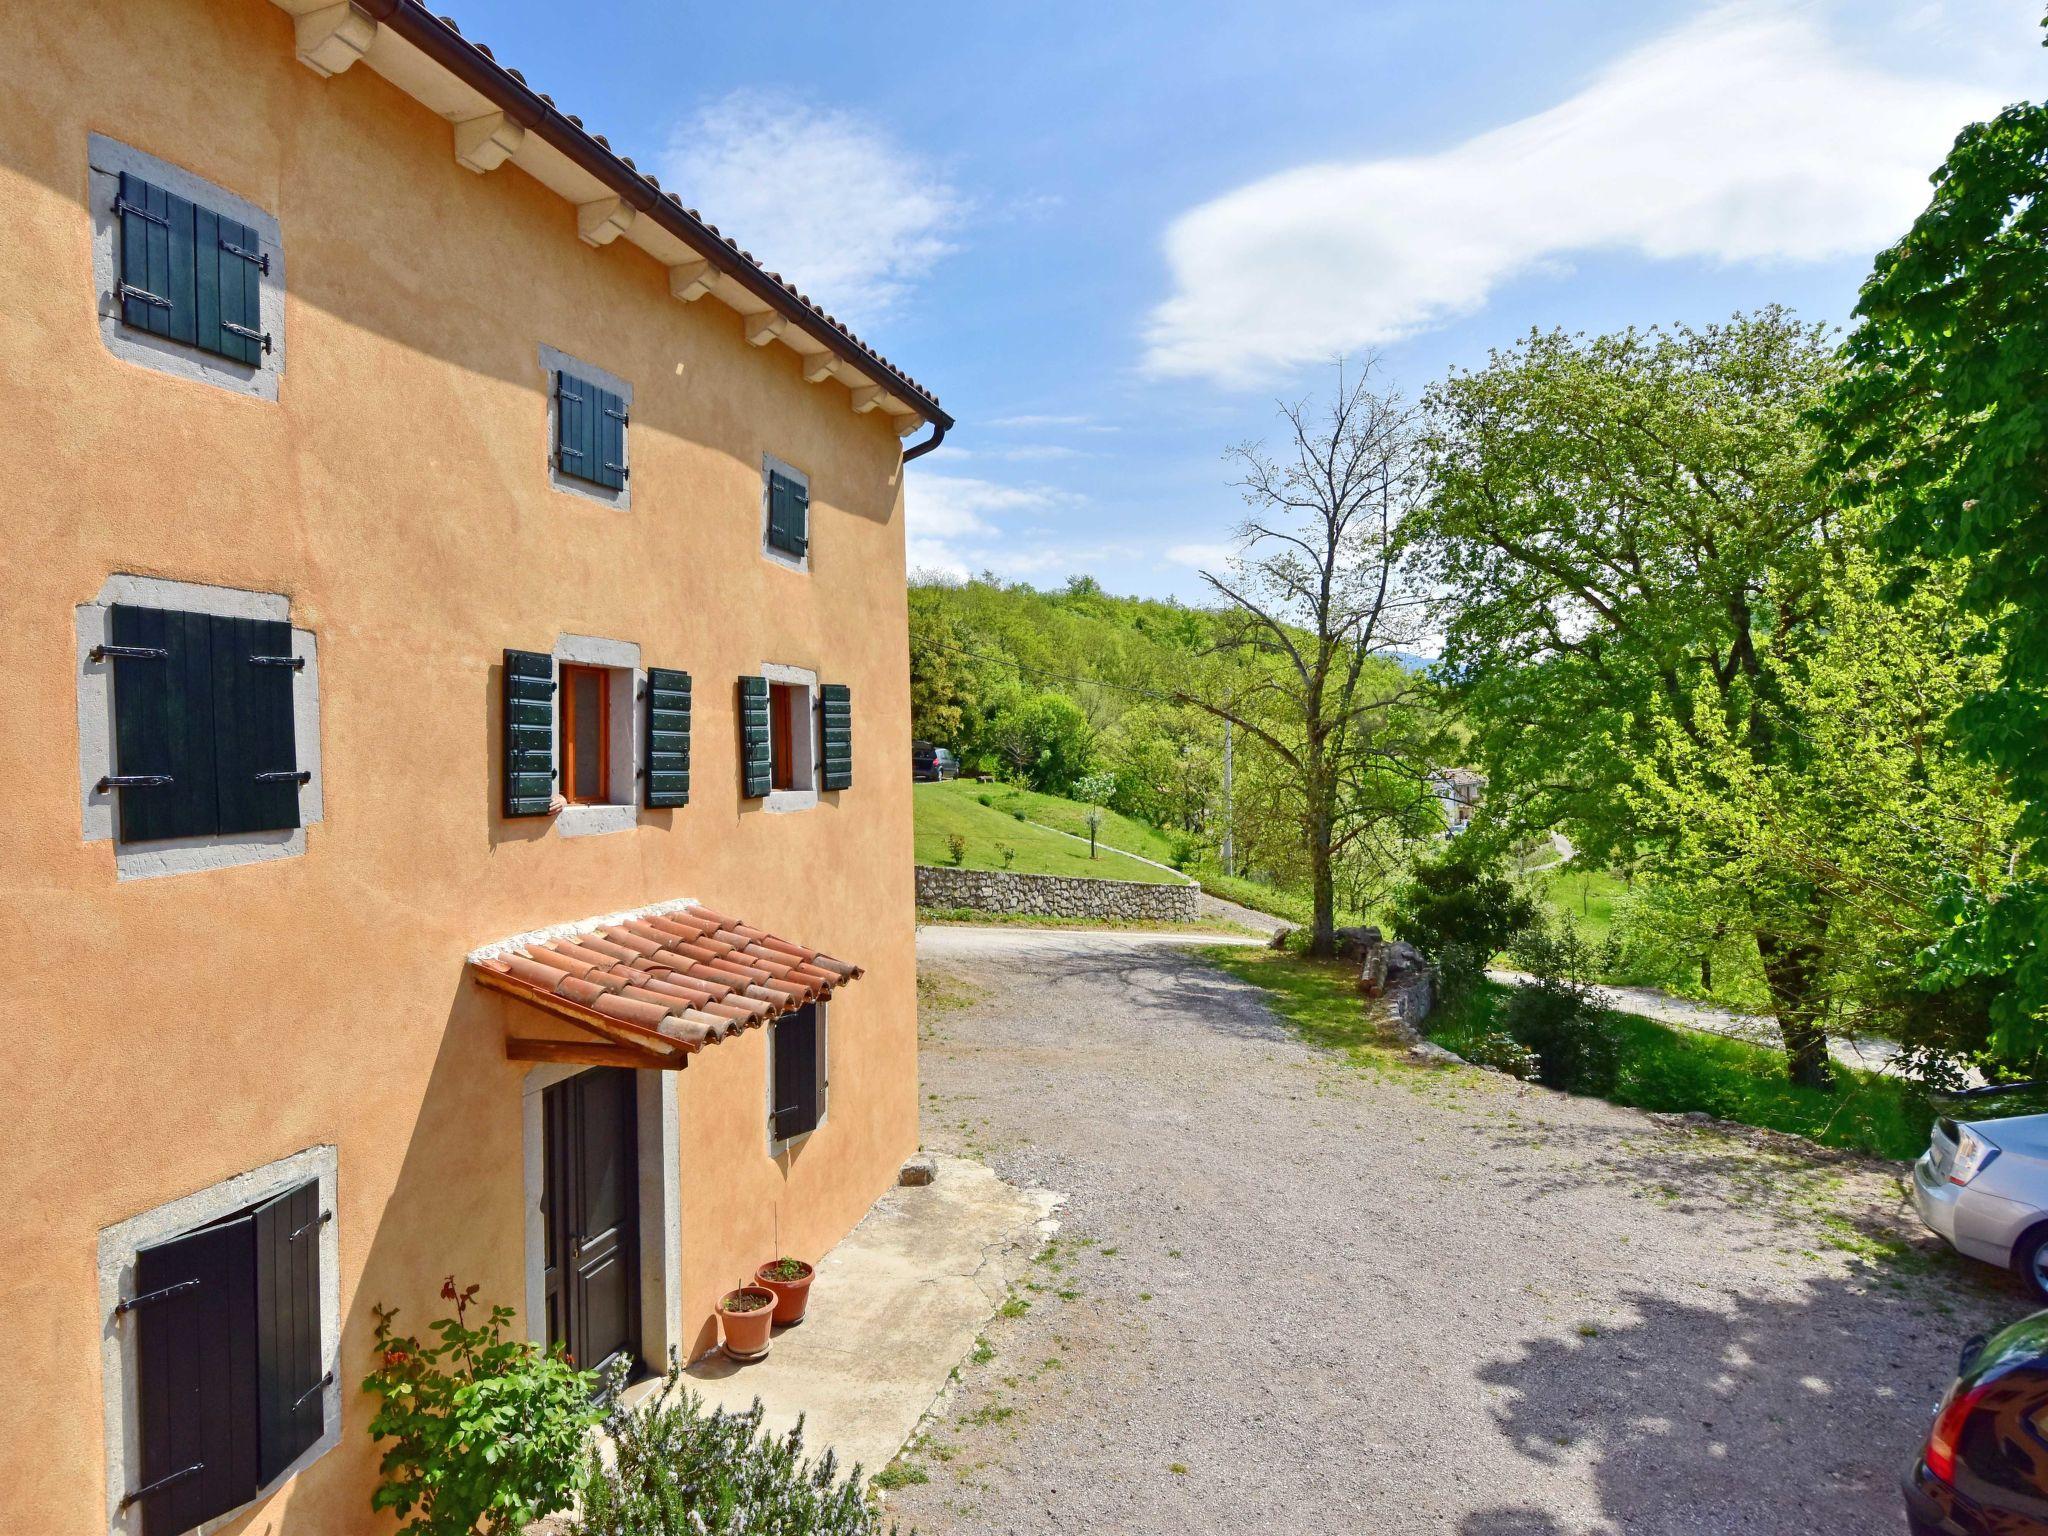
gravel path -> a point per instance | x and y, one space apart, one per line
1294 1294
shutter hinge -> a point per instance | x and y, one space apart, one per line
299 1232
567 453
296 663
131 781
144 296
563 394
279 775
300 1401
132 652
122 205
262 261
158 1295
179 1476
243 331
619 416
617 469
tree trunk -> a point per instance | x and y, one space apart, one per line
1323 928
1789 971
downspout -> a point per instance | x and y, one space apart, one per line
938 436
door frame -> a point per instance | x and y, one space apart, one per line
658 1117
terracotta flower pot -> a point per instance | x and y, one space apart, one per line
791 1296
746 1332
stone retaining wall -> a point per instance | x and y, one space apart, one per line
997 890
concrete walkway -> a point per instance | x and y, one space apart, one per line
1867 1053
894 1308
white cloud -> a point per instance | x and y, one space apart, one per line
1746 135
1078 423
1211 557
824 197
949 521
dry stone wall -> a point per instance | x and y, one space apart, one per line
997 890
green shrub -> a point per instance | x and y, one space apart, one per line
1009 854
988 800
1577 1046
1185 850
680 1471
485 1429
1461 897
1496 1048
956 847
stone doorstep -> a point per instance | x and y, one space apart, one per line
895 1306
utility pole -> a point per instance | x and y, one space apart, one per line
1229 842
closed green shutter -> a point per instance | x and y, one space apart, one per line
529 732
668 738
795 1075
164 761
835 704
290 1410
256 759
756 761
590 432
789 514
190 274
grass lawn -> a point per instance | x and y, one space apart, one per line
944 810
1294 906
1589 898
1683 1070
1662 1068
1052 811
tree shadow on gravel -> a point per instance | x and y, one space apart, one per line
1165 987
1735 1411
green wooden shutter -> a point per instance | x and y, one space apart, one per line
255 748
575 433
789 514
529 732
231 268
290 1410
158 287
164 768
611 439
756 763
835 704
795 1076
668 738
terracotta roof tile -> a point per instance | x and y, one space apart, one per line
681 979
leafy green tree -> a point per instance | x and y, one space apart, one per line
1634 556
1941 425
1094 790
1043 740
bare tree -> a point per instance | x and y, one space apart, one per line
1317 596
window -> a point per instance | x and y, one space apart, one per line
586 694
786 513
190 277
589 423
204 737
218 1358
796 737
797 1073
789 707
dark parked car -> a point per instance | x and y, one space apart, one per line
1984 1469
930 764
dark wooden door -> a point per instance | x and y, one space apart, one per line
591 1212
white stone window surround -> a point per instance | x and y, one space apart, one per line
622 659
804 751
779 1145
658 1119
553 363
99 813
106 159
118 1386
771 464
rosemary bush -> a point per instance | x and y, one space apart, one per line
677 1470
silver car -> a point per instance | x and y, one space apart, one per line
1982 1184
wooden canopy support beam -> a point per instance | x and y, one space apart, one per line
618 1031
485 143
591 1053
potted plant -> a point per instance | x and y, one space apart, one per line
746 1315
790 1280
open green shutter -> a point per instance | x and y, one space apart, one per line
290 1410
795 1074
255 748
164 768
756 762
668 738
233 325
529 732
835 704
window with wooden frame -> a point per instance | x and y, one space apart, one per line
788 712
585 695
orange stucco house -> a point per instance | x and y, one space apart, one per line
455 694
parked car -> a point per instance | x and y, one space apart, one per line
1982 1184
930 764
1984 1469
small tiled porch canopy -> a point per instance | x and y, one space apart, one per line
648 988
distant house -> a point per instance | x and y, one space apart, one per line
455 693
1459 789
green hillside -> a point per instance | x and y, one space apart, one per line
1118 831
944 810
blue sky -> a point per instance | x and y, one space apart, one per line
1110 236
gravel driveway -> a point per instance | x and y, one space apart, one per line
1294 1294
